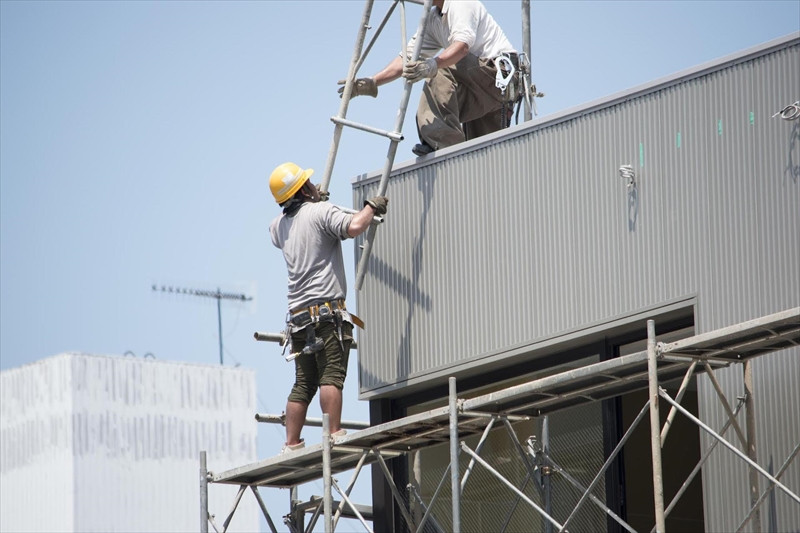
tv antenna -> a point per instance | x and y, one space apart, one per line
218 295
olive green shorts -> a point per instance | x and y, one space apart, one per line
326 367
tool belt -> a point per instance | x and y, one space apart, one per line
303 316
320 310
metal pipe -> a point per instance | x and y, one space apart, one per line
655 427
725 405
514 505
520 450
478 448
678 397
547 485
575 483
296 515
393 135
750 428
280 338
433 499
609 460
395 491
263 509
454 470
326 472
425 508
375 221
387 167
352 506
203 494
213 523
219 322
236 501
377 33
778 475
350 486
697 467
526 48
731 447
310 422
416 468
510 485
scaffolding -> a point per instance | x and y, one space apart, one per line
659 363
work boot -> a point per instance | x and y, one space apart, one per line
422 148
293 447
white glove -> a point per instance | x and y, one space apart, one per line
418 70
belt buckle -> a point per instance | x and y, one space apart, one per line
324 310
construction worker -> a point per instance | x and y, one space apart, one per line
460 100
309 233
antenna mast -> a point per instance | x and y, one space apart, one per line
218 294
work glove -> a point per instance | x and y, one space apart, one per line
414 71
378 203
323 196
361 87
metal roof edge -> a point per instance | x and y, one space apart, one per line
792 39
561 341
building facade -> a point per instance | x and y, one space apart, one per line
552 242
98 443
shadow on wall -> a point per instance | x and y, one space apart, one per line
425 183
391 278
792 170
633 206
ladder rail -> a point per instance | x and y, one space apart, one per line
355 65
348 89
392 151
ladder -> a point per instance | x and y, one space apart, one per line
395 135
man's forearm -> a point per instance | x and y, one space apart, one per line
390 72
361 221
452 54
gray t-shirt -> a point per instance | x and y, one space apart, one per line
311 241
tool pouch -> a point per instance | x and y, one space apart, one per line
301 320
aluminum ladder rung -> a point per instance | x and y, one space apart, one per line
393 135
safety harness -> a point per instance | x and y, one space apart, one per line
306 319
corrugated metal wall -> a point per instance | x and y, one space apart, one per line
516 237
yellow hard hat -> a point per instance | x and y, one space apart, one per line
286 180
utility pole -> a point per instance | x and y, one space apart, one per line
218 294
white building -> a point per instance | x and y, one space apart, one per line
99 443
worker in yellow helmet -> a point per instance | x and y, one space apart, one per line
461 98
310 232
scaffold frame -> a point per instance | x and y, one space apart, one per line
659 363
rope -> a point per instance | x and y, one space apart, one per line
790 112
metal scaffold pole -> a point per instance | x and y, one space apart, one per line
203 494
526 48
750 430
326 473
454 447
655 427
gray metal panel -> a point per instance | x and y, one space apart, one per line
517 238
512 239
753 238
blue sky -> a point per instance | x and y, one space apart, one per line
136 139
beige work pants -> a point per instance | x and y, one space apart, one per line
461 103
